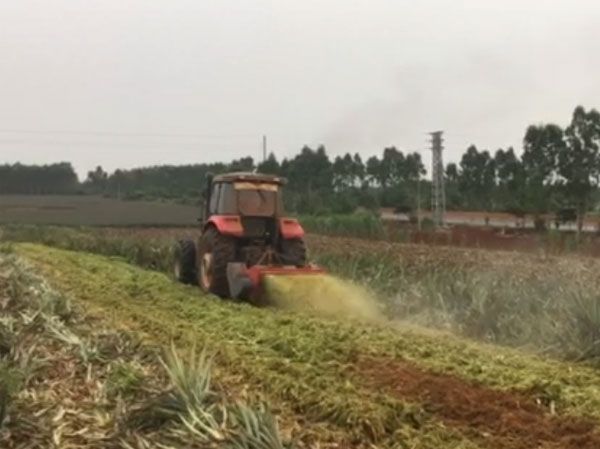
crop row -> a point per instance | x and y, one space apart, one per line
61 372
548 305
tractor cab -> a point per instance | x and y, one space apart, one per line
252 201
247 194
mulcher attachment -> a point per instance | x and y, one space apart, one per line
246 283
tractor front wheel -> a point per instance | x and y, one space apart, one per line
215 252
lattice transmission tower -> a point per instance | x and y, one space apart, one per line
438 193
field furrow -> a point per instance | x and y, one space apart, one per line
510 420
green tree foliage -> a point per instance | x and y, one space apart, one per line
558 170
391 166
372 171
310 180
343 172
38 179
541 146
510 177
579 159
477 179
310 171
454 199
358 170
269 166
165 182
97 179
244 164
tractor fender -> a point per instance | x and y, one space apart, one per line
290 228
226 225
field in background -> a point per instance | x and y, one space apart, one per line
498 220
85 210
366 225
92 211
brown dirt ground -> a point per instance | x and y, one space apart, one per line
504 420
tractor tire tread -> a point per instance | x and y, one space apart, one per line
185 257
223 251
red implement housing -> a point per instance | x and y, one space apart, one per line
246 283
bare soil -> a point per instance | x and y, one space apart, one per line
503 419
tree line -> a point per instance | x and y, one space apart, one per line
559 168
316 183
38 179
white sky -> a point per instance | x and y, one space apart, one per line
124 83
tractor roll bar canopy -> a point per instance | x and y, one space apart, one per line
249 177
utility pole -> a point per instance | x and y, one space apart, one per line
264 148
419 202
438 194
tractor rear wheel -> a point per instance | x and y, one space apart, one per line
185 262
294 252
215 252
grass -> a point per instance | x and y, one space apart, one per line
302 360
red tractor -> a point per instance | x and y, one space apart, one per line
245 236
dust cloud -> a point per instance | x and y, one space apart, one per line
324 294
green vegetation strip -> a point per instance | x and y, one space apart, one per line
545 304
303 359
299 360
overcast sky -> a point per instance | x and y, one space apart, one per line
124 83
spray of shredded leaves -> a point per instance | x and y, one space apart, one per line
322 294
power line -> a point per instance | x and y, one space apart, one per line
120 144
123 134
